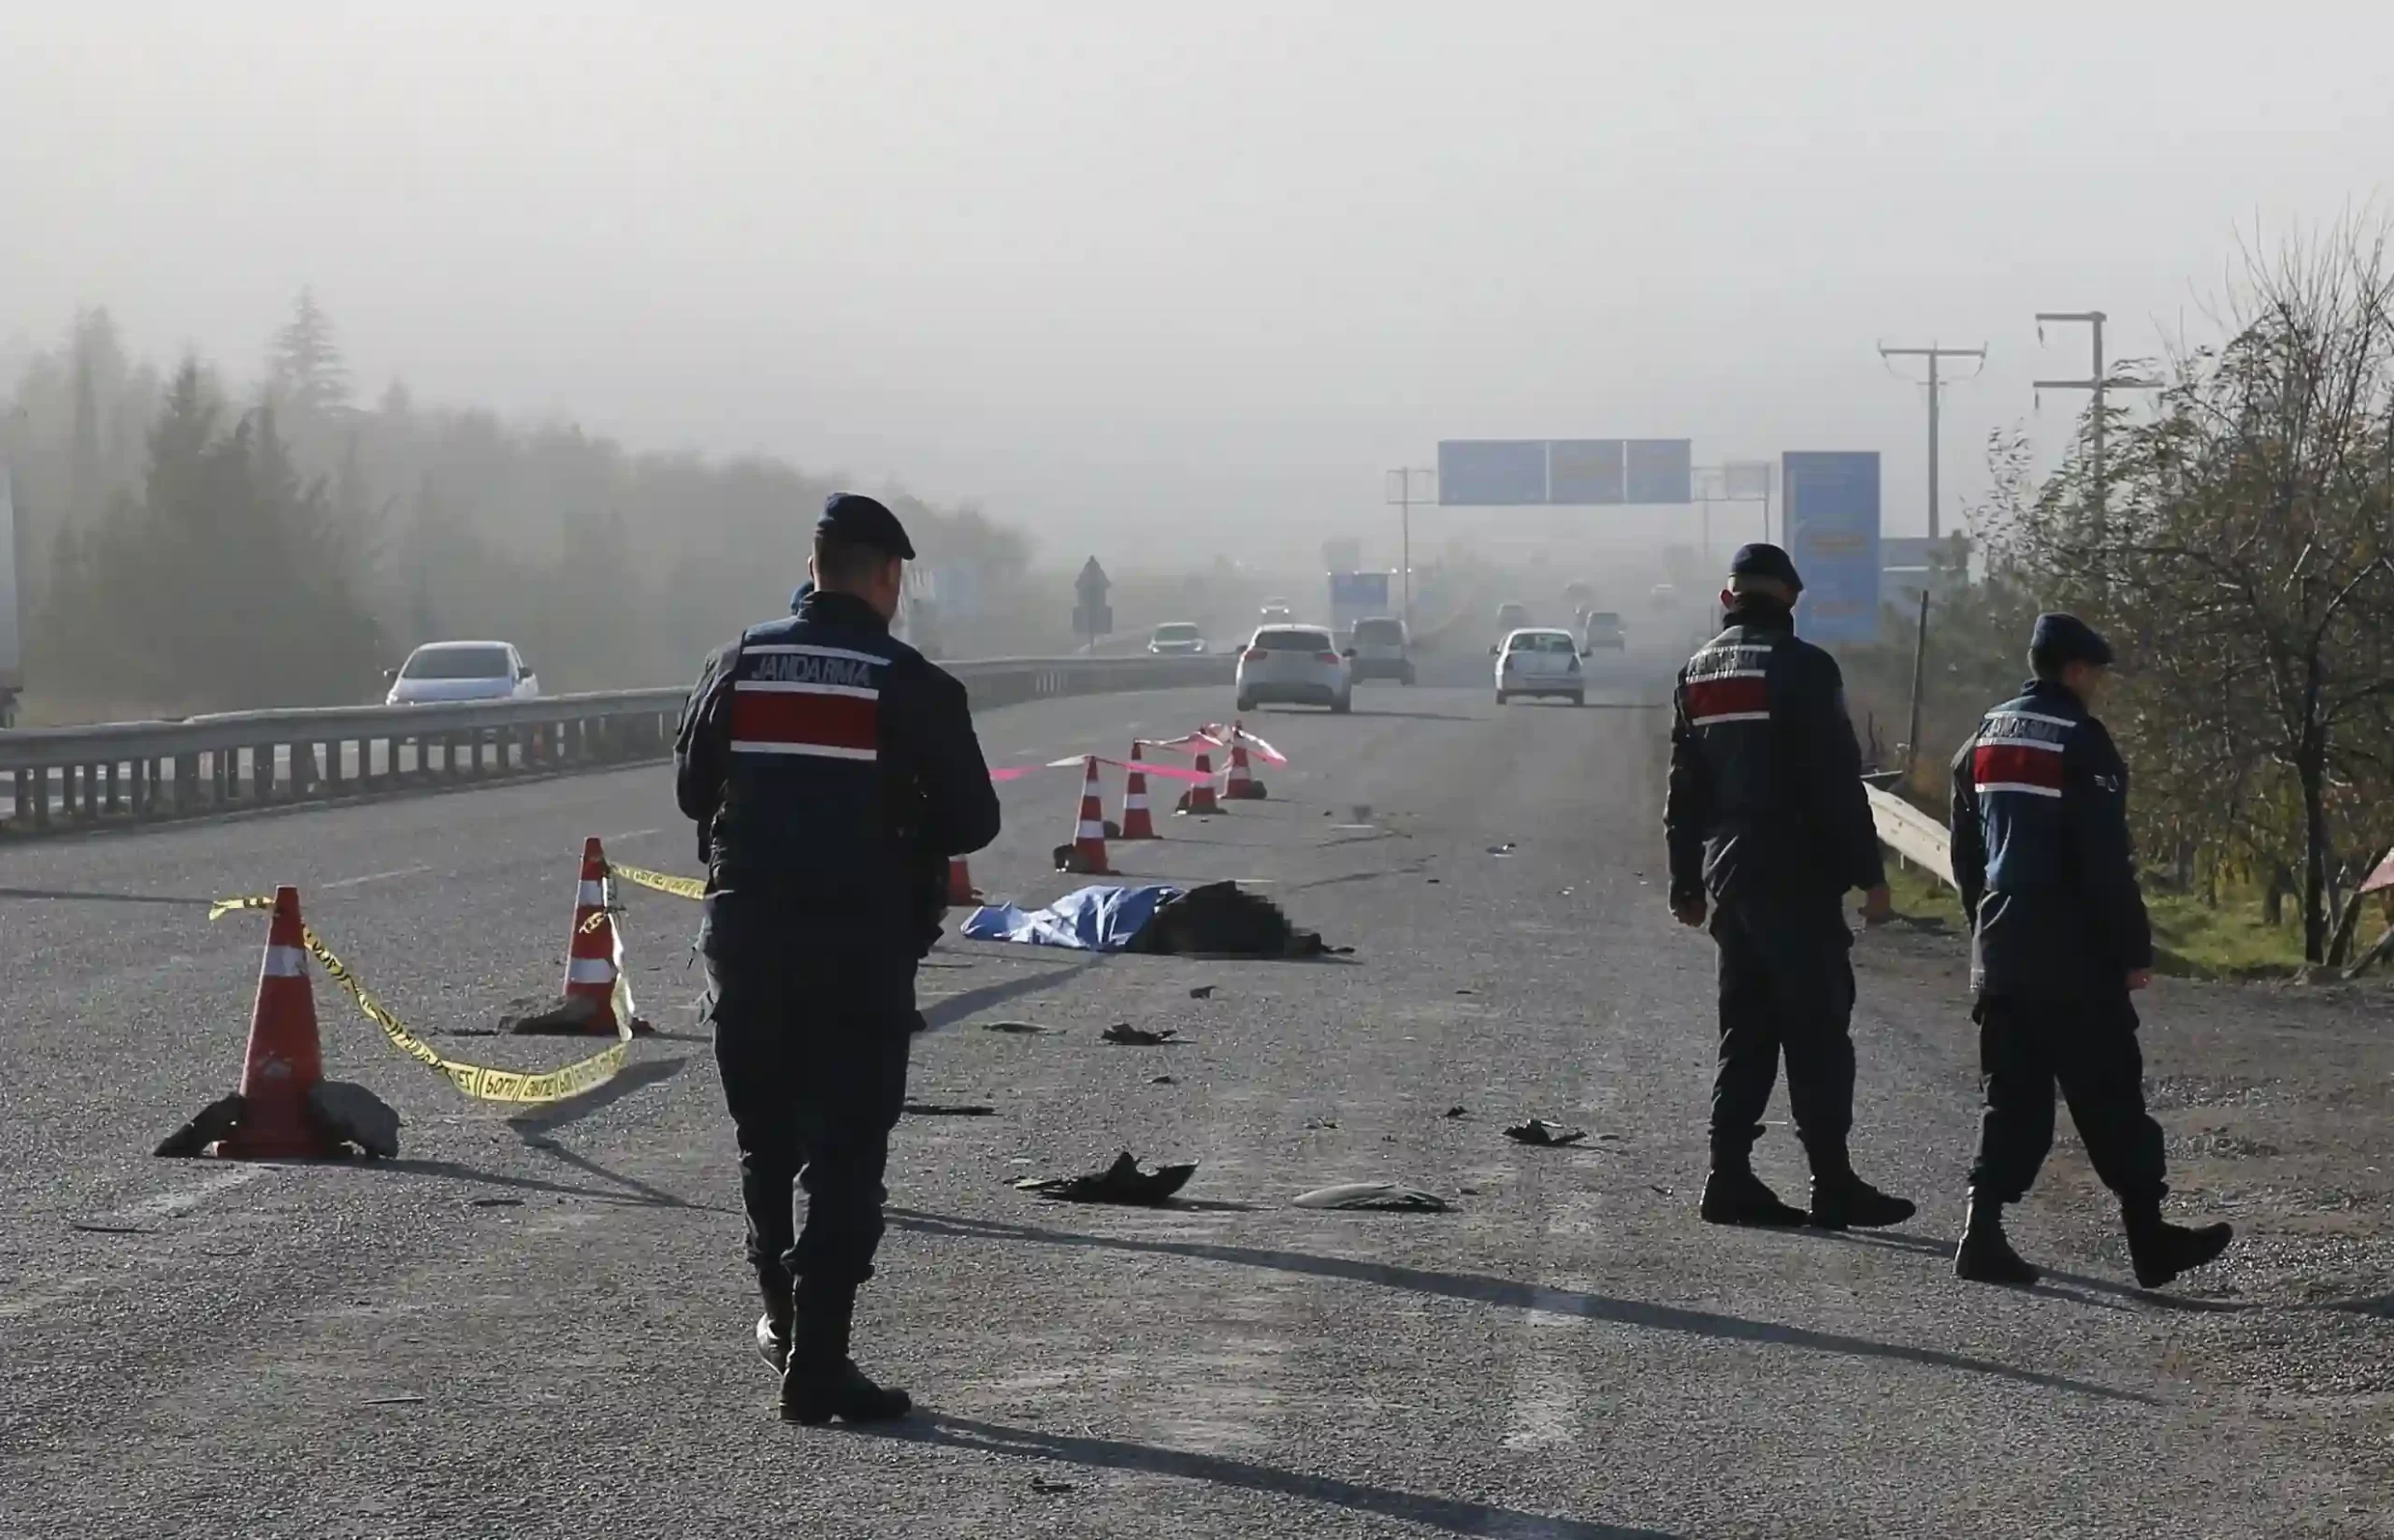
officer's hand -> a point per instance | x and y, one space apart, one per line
2139 978
1690 914
1878 906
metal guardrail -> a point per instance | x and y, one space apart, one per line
1911 834
146 772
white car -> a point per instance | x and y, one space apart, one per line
1276 612
1175 637
1603 630
1539 660
462 671
1300 664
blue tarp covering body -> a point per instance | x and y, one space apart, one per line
1088 919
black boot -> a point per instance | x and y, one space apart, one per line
821 1382
1847 1201
1734 1195
1985 1254
2162 1250
1841 1200
772 1327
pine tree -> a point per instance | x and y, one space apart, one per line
304 369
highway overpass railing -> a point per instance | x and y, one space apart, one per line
144 771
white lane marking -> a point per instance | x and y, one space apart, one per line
375 877
168 1204
42 1299
630 834
1544 1411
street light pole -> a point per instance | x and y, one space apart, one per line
1399 486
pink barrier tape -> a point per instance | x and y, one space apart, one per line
1169 773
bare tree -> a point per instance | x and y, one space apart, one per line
2241 547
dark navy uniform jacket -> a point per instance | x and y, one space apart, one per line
1766 803
2042 853
832 771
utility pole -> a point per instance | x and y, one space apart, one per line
1933 353
2096 384
1400 492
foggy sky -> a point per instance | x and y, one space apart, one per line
1153 280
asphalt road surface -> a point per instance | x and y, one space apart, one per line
540 1326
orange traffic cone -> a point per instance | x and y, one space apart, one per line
1241 786
598 996
1199 798
1086 854
284 1060
960 883
1137 823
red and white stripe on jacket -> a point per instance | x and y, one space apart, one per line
1729 682
797 697
2019 751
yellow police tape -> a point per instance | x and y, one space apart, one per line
479 1081
662 882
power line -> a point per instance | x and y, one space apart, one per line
1933 353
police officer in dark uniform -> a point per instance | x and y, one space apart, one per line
832 772
1766 820
2058 941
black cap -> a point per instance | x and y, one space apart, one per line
1761 560
2061 639
860 520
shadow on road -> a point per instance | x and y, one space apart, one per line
2080 1286
650 1196
633 1196
631 1078
1512 1295
1452 1515
955 1007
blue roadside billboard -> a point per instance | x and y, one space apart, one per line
1832 524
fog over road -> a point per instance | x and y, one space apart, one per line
540 1325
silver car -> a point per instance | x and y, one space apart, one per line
1381 650
462 671
1175 637
1294 664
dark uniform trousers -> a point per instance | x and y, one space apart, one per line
813 1056
2087 1048
1787 987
